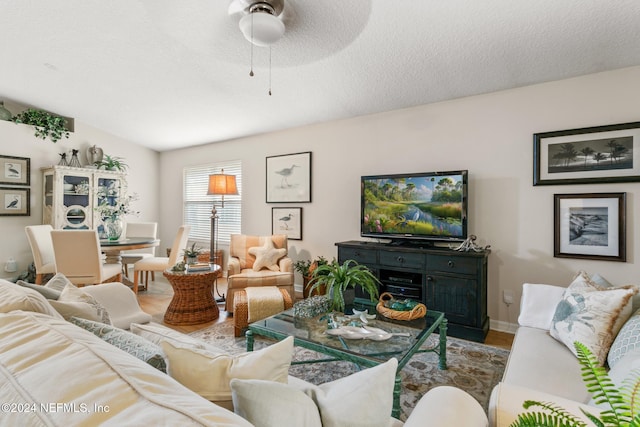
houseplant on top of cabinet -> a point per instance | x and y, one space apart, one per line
340 281
47 125
112 163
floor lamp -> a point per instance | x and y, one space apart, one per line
219 185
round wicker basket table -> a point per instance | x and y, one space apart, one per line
193 302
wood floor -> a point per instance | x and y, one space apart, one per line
156 299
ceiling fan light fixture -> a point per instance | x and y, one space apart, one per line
261 27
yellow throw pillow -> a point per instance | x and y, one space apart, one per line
209 374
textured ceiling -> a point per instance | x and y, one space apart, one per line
170 74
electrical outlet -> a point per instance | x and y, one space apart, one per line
507 296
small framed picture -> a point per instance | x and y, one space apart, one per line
289 178
593 155
590 226
15 201
15 170
287 221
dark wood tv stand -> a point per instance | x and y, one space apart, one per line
443 279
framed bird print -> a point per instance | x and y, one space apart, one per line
15 201
287 221
289 178
15 170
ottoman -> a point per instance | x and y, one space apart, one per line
241 309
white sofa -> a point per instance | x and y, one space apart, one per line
542 368
56 373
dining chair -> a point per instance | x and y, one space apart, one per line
139 229
78 257
39 237
162 263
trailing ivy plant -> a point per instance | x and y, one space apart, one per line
47 125
624 404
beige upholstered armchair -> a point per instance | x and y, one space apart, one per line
258 261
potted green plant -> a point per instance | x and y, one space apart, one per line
622 403
340 279
306 268
191 254
112 163
47 125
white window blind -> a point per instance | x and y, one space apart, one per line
197 204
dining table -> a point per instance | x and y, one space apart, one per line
113 249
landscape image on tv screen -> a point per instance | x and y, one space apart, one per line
414 205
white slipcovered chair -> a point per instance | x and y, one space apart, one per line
79 258
162 263
39 237
139 229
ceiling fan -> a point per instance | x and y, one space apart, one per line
261 22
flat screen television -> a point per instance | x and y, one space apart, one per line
422 208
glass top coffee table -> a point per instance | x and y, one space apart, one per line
406 341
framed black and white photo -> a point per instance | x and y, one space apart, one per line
289 178
15 201
590 226
15 170
593 155
287 221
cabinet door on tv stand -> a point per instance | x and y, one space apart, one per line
454 296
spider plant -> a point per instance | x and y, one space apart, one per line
623 403
338 278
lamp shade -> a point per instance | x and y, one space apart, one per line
267 29
222 185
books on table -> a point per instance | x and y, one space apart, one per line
199 266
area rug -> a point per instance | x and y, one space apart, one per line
473 367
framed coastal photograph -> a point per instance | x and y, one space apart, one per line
287 221
15 170
593 155
590 226
289 178
15 201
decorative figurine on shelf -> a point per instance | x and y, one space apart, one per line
94 155
470 245
63 160
75 162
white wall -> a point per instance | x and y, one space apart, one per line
18 140
490 135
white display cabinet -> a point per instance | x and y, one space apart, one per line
70 196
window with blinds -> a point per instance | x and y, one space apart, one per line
197 204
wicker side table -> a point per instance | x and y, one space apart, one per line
193 302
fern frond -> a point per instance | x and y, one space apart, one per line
539 419
554 413
604 390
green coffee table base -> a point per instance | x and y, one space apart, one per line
368 361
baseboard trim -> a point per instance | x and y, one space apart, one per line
501 326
